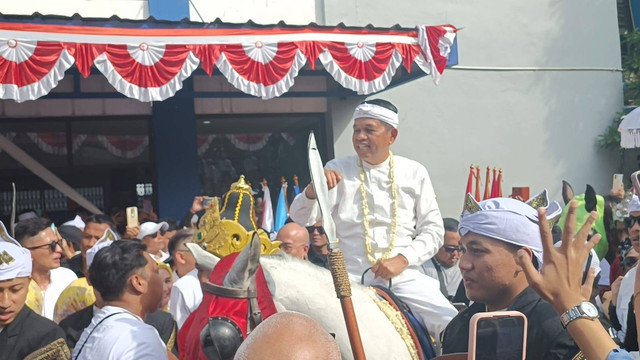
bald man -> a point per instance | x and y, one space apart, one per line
289 336
295 240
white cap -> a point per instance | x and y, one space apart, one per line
107 239
150 227
15 261
77 222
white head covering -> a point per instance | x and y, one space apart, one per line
15 261
77 222
509 220
634 204
374 111
107 239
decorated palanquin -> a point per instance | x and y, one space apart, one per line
227 230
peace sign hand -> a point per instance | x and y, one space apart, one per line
560 279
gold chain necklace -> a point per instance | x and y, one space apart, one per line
365 211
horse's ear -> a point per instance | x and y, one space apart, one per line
567 192
204 259
590 199
245 266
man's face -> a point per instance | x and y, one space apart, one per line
449 253
13 294
154 242
372 139
295 246
166 237
634 231
152 298
43 255
317 235
488 268
92 232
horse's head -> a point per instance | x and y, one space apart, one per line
235 300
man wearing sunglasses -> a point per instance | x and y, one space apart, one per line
444 265
318 250
38 236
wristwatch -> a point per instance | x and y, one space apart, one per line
583 310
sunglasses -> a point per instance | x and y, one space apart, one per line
51 246
449 249
631 220
311 229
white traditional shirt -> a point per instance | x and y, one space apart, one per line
122 336
419 230
624 297
451 275
186 296
60 278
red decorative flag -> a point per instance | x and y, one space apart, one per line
478 183
470 181
494 186
487 185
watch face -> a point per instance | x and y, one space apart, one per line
589 309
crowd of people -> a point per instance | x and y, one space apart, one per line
89 290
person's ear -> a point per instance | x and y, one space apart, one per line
515 257
394 135
138 283
179 258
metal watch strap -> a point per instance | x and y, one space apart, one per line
573 314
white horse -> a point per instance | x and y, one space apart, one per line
298 285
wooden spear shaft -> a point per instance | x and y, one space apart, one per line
343 291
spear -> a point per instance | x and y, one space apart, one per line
336 259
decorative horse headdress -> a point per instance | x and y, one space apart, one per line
229 230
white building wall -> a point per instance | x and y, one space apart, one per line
299 12
126 9
540 127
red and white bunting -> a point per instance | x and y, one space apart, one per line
151 64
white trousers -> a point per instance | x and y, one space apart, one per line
422 294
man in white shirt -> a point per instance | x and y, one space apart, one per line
186 294
38 236
127 279
444 265
151 234
386 214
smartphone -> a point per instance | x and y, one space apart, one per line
132 216
206 203
617 183
635 182
498 335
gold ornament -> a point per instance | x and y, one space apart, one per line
221 236
365 212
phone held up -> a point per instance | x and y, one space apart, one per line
498 335
132 216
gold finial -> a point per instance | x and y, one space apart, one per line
240 185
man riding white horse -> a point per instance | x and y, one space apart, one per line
386 214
